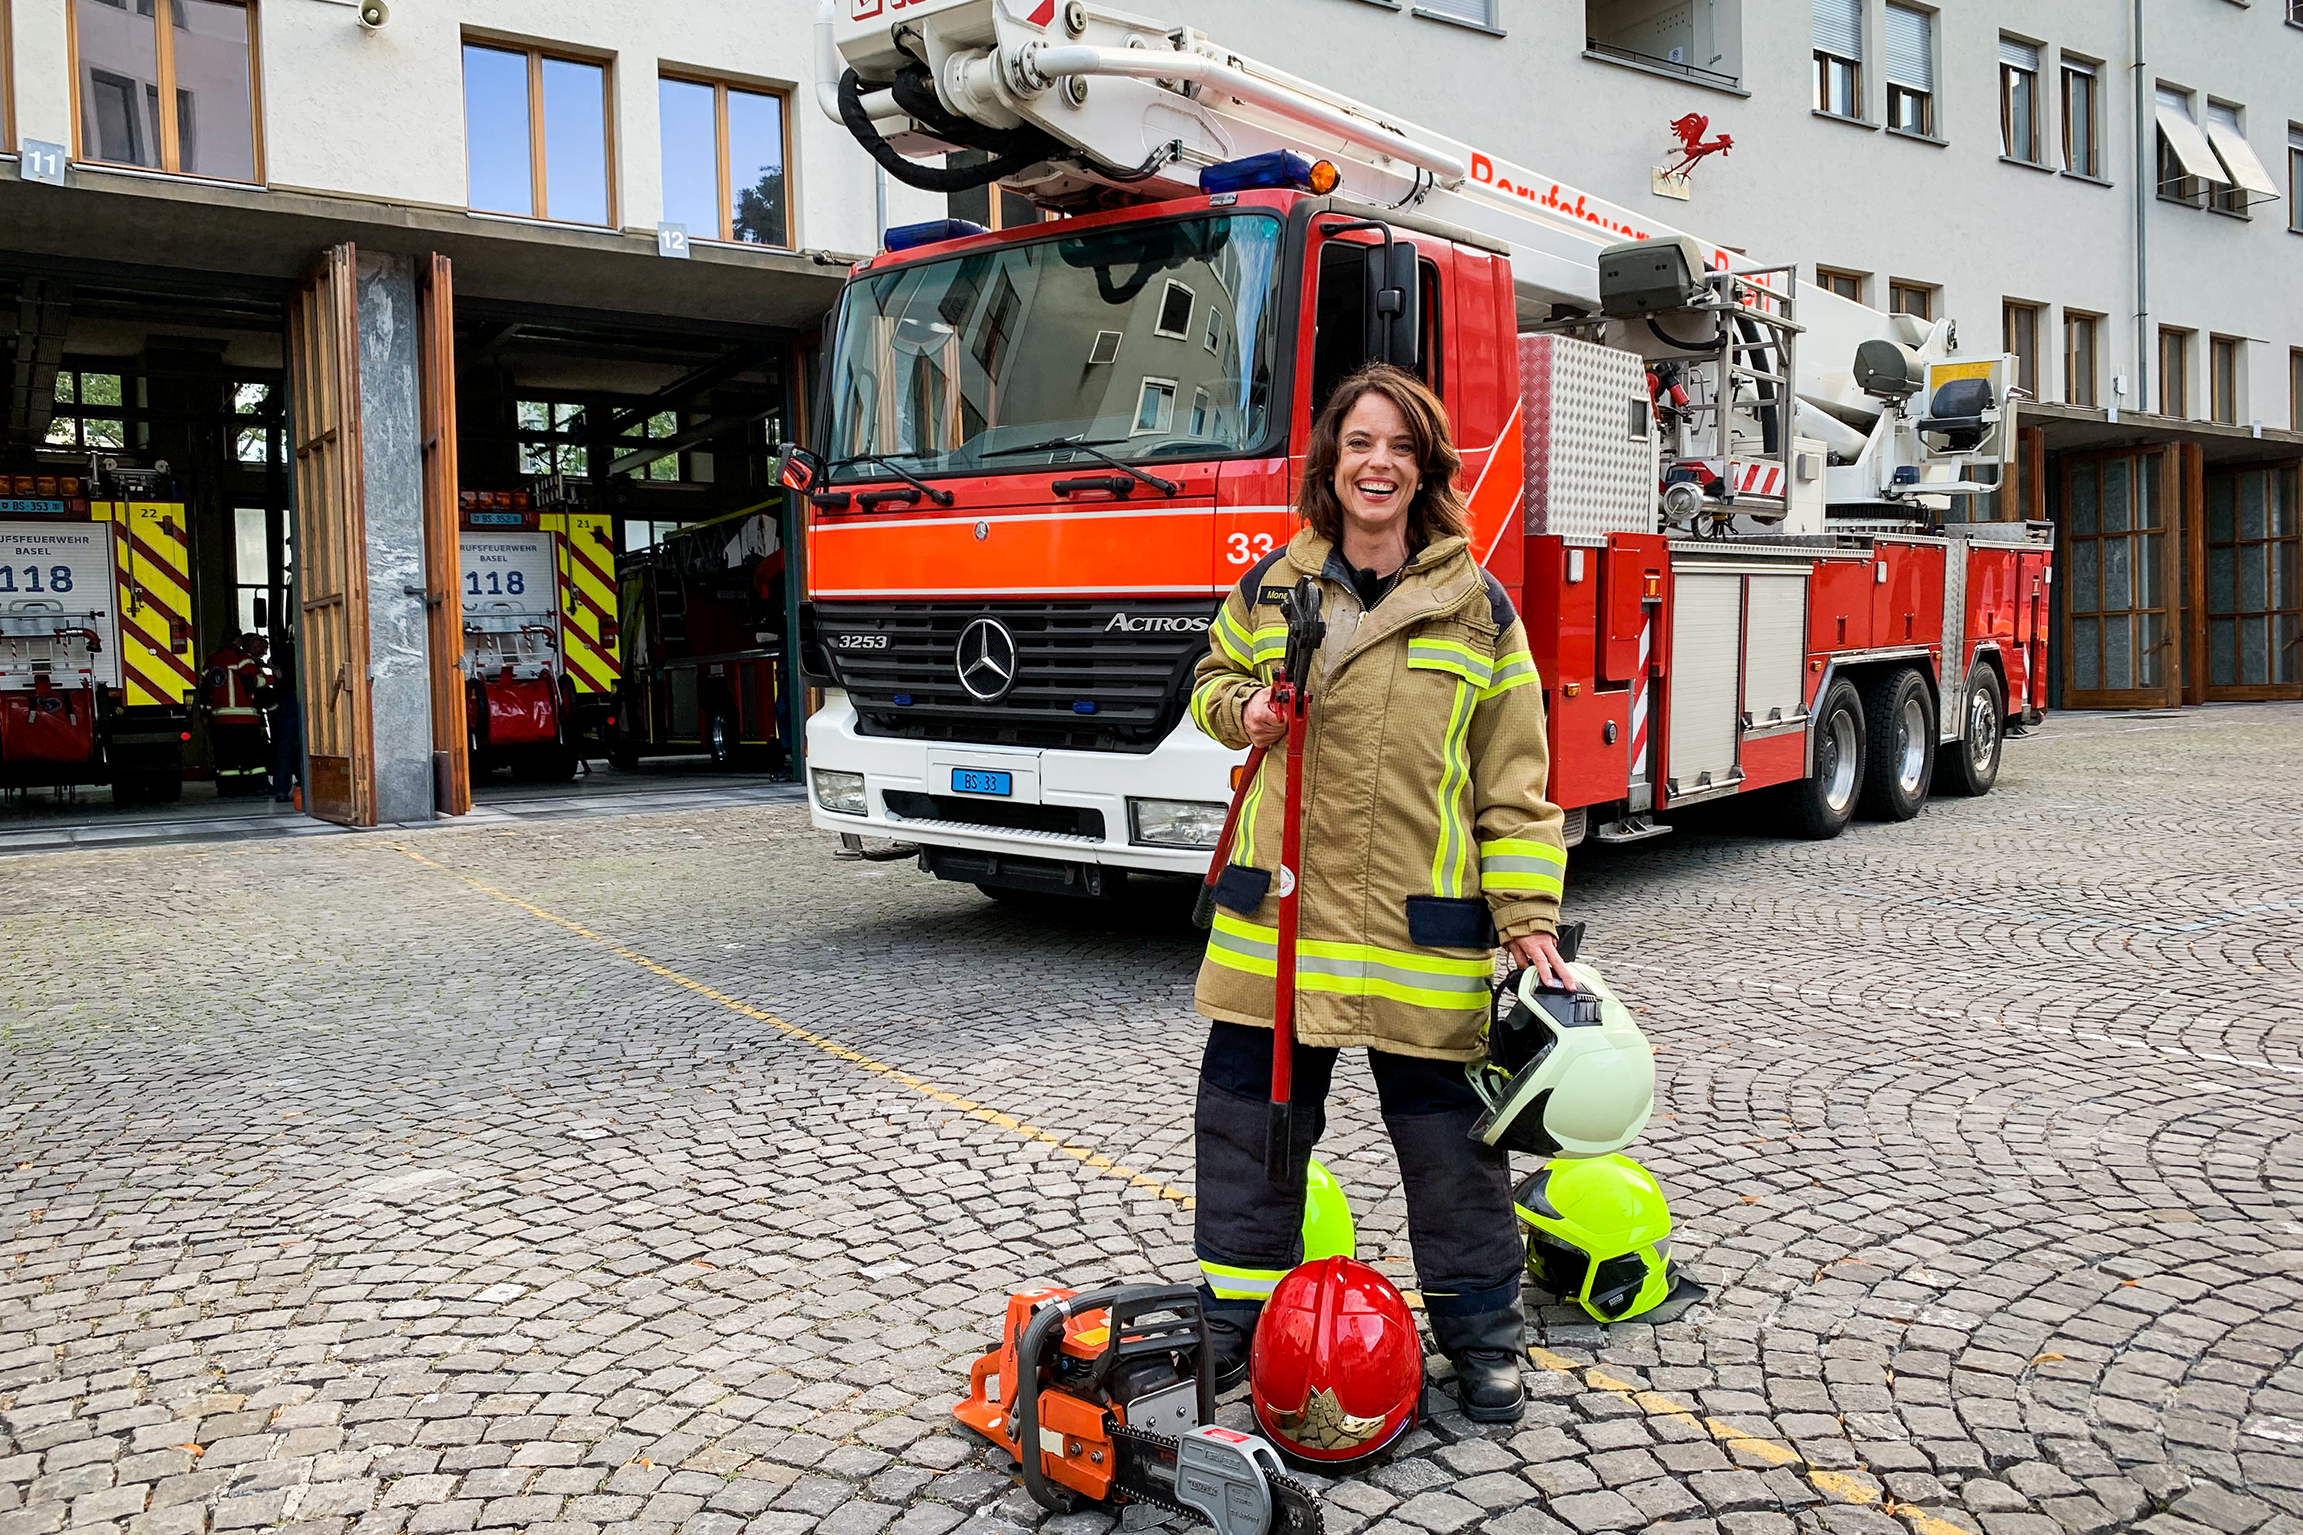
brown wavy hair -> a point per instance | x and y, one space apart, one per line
1438 510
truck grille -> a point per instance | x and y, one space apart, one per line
1084 681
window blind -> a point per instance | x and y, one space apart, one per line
1839 27
1478 12
2021 55
1910 48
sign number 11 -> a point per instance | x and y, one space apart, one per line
43 161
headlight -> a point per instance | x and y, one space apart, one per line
840 793
1176 822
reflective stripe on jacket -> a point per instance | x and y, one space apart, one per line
1427 838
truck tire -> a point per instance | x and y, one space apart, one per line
1899 745
1820 805
622 757
1970 765
721 741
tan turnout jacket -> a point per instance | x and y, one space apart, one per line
1427 838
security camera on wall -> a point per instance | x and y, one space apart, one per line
374 13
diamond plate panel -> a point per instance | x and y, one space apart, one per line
1587 476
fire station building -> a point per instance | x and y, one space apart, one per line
328 289
356 326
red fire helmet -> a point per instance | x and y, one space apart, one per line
1337 1369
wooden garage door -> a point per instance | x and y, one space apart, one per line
2254 559
331 541
2118 584
443 549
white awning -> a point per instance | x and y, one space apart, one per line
2188 143
2244 170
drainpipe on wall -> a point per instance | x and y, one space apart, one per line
2146 177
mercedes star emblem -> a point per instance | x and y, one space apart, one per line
986 657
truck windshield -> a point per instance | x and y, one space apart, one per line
1150 341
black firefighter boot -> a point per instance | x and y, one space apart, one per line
1486 1349
1231 1334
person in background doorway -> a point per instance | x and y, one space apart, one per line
283 708
236 674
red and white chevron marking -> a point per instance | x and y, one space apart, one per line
1638 763
1755 479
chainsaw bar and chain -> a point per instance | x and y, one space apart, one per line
1146 1474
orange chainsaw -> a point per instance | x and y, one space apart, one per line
1100 1397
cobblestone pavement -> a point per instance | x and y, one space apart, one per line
659 1173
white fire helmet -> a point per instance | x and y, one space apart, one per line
1567 1073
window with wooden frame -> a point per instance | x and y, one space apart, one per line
2082 119
2295 390
536 134
2295 177
7 78
1846 284
2223 379
725 156
1910 71
2021 331
1913 298
2174 372
2082 356
179 98
2019 100
1838 26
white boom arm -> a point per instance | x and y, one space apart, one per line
1138 108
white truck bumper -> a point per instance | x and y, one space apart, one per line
1185 766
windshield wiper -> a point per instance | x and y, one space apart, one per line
939 497
1093 450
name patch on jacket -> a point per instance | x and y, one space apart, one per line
1272 594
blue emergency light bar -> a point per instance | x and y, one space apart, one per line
1278 168
904 237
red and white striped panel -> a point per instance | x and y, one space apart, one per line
1639 760
1755 479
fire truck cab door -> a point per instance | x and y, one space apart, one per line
157 662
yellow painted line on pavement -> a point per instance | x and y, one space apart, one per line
831 1047
1838 1486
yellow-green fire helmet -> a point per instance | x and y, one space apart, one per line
1598 1233
1328 1231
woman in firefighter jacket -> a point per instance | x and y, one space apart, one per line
1427 841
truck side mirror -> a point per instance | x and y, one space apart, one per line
1394 320
797 468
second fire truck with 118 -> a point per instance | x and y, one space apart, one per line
1732 507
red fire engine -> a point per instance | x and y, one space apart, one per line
96 666
1730 505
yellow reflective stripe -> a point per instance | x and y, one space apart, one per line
1238 944
1230 1282
1517 863
1243 844
1201 697
1233 638
1408 978
1522 847
1352 969
1516 670
1451 857
1451 656
1269 643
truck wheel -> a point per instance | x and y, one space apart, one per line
1820 804
720 739
1899 745
622 757
164 788
1970 765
